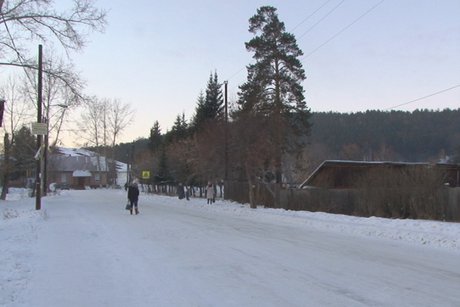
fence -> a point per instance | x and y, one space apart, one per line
170 189
440 204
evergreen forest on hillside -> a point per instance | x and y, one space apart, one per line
422 135
419 136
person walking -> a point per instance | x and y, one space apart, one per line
180 191
133 197
209 193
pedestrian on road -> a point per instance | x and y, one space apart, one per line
209 193
180 191
187 192
133 197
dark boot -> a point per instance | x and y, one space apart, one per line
137 211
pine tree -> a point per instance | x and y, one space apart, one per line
210 106
155 139
214 101
179 129
277 74
23 150
274 80
273 86
163 171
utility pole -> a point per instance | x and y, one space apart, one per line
38 191
6 157
132 162
6 170
226 131
45 160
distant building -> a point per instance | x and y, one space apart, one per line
80 169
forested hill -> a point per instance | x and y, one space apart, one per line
422 135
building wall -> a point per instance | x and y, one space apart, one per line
95 181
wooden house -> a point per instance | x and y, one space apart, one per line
77 169
342 174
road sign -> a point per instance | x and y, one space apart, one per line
145 174
40 128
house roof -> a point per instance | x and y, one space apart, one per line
71 159
369 164
75 152
81 173
71 163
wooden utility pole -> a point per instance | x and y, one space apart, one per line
226 131
38 189
6 170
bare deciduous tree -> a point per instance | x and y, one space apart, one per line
101 123
21 20
58 98
17 111
16 114
119 118
89 126
252 146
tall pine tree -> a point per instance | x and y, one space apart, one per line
274 84
210 106
179 129
155 139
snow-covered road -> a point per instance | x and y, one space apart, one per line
83 249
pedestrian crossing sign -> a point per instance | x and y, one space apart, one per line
145 174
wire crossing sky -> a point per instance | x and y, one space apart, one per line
358 55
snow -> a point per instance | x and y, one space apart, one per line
84 249
76 152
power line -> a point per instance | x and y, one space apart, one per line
295 27
344 29
331 38
232 76
319 21
309 16
424 97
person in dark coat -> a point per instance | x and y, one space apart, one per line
133 197
180 191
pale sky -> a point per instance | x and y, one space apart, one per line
157 55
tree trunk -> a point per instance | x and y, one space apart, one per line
252 202
278 136
6 171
